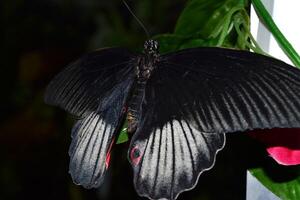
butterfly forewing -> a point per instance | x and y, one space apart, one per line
226 90
84 84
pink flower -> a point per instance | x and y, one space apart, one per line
283 144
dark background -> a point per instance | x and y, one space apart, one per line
38 38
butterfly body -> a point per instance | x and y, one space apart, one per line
145 64
179 107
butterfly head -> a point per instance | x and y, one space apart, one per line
151 47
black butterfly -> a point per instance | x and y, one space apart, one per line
178 106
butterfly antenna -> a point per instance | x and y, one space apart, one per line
137 19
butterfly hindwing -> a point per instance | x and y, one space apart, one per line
83 85
171 159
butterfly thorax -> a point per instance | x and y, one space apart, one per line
144 68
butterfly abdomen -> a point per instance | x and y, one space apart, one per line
135 104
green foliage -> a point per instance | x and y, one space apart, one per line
205 18
123 135
287 189
210 23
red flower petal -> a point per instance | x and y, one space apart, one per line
285 156
283 145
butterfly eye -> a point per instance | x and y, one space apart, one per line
135 155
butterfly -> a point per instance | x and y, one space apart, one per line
178 106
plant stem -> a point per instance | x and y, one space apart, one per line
282 41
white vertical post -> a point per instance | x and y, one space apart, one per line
286 15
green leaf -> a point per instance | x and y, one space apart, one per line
280 38
285 189
169 42
209 23
172 42
202 17
123 135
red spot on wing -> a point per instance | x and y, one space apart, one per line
107 160
108 155
135 155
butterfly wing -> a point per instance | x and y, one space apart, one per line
95 88
82 87
168 156
93 137
234 90
195 96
